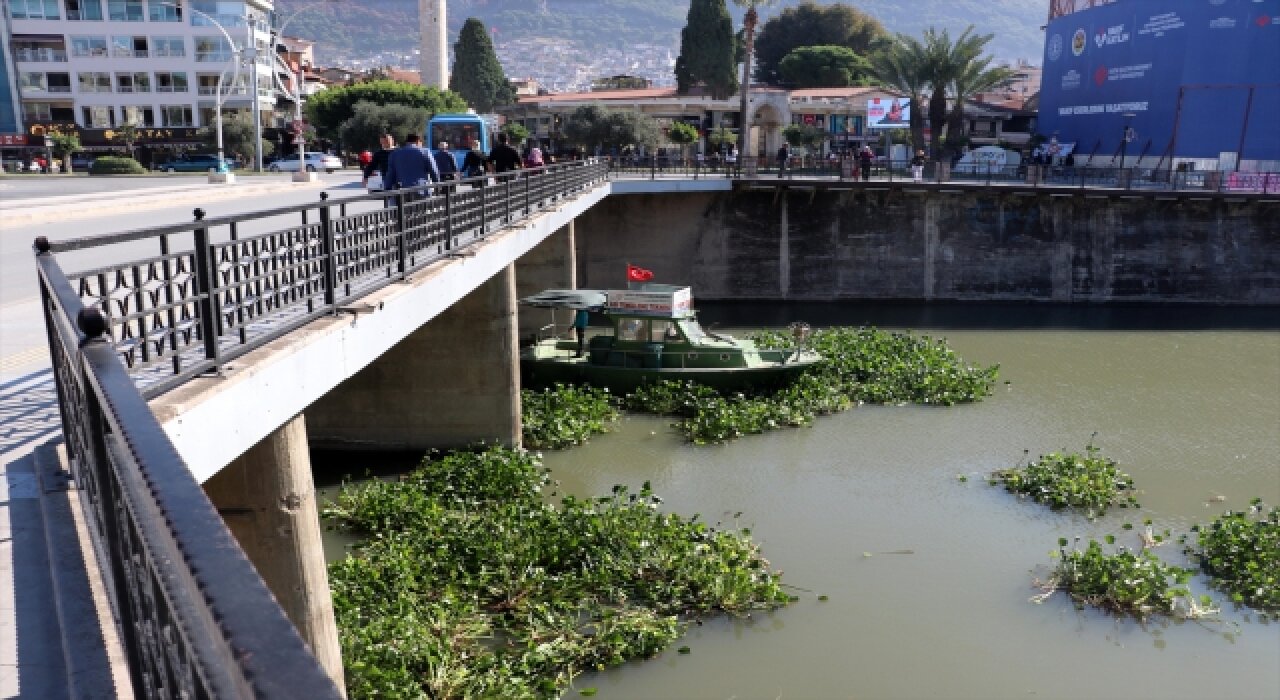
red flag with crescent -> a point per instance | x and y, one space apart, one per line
638 274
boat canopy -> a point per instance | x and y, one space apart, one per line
589 299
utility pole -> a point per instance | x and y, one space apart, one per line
251 53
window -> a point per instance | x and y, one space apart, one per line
95 82
33 9
209 48
168 46
84 9
171 82
129 46
98 117
228 14
124 10
39 51
133 82
138 116
32 82
37 111
176 115
89 46
59 82
159 11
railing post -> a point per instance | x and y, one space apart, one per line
402 236
448 219
528 183
329 250
206 289
653 166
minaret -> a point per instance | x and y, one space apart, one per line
435 43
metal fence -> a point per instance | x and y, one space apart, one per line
880 171
196 619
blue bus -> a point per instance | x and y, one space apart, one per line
462 132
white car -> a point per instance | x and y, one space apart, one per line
315 162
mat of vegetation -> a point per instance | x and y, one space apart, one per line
859 365
1240 552
1124 581
1088 482
564 415
470 584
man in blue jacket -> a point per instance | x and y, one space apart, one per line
410 166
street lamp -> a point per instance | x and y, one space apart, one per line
218 96
48 158
295 95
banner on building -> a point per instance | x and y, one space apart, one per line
888 113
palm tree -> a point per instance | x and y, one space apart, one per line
904 67
749 27
974 78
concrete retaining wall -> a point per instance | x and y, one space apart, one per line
938 244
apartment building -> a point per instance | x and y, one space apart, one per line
91 66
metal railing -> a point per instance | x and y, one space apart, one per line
196 619
881 171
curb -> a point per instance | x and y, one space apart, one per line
94 204
91 648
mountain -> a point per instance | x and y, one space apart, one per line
364 28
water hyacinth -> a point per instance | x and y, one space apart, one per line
860 365
1087 482
1124 582
1240 552
470 584
564 416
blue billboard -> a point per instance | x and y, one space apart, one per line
1179 78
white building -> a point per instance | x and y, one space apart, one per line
91 66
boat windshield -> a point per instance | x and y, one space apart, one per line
692 330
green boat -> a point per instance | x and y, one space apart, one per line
655 336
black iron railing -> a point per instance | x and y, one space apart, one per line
196 619
899 171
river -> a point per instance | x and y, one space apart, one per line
929 576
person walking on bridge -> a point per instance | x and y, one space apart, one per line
410 166
378 162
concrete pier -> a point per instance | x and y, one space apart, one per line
551 264
454 382
268 501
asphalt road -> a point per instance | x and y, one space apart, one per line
31 187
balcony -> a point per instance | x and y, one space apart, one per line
40 55
227 90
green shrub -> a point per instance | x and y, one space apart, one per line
116 165
1124 582
563 416
1240 551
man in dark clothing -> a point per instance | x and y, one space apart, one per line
473 165
784 157
503 156
865 156
378 164
445 163
410 166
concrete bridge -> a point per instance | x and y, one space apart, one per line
196 363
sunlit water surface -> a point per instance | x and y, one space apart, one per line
928 576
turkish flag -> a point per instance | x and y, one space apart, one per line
638 274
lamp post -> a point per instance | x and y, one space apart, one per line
295 95
48 157
218 92
251 54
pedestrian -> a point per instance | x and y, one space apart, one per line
865 157
580 329
784 156
365 158
534 158
445 164
378 163
503 157
917 167
410 166
474 164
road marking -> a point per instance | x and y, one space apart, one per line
30 357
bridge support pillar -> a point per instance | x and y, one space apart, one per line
552 264
268 500
454 382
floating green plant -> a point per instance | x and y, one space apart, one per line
860 365
1240 552
469 584
1123 582
565 415
1086 482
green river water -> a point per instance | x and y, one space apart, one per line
929 577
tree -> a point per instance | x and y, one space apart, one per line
975 77
128 135
707 49
515 131
810 24
749 34
682 133
948 62
804 135
904 67
719 136
477 75
330 108
63 146
824 66
371 121
593 126
237 136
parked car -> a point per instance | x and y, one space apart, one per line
314 162
195 163
81 161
